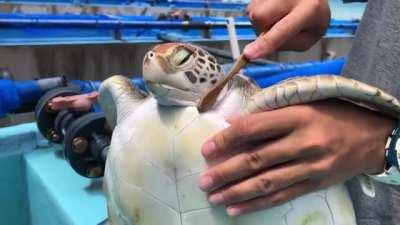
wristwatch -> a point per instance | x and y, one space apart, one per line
391 174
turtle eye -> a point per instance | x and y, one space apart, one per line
181 56
151 54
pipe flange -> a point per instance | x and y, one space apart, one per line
78 144
45 117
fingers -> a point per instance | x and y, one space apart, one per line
264 184
311 17
302 41
264 14
281 32
275 198
248 163
254 127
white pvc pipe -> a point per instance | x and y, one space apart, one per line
233 40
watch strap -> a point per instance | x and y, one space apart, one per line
391 175
392 148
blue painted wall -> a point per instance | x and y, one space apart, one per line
14 203
38 187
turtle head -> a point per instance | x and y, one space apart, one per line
179 74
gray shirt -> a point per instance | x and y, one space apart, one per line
375 59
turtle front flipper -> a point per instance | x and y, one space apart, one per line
310 89
118 98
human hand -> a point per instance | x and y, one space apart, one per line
272 157
287 24
82 102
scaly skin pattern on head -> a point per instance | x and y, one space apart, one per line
179 74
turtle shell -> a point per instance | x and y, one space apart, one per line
153 168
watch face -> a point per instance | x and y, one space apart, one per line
391 175
392 149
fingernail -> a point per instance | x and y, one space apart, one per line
208 148
233 211
255 50
216 198
250 50
205 183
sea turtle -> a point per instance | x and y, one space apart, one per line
154 162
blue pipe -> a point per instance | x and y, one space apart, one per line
9 98
170 3
17 94
25 29
111 21
201 4
28 91
265 76
108 21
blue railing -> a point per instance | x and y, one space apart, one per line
38 29
211 4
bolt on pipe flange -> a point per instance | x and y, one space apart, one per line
79 145
45 117
48 108
52 135
93 172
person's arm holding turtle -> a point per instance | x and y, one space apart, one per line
285 153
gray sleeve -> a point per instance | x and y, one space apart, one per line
375 56
375 59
